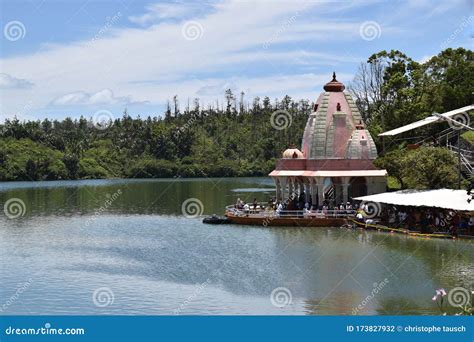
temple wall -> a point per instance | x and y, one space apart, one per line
376 185
325 164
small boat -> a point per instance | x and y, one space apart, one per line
214 219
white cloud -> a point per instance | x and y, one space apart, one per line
156 62
298 86
425 58
9 82
103 97
157 12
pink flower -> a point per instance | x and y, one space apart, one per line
434 298
443 292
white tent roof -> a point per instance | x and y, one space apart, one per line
428 120
442 198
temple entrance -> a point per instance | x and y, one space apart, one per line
357 187
329 192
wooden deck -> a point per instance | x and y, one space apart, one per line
291 221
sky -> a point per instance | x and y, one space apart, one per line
82 57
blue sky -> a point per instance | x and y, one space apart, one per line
72 58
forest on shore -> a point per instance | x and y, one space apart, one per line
243 138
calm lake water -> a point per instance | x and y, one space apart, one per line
125 247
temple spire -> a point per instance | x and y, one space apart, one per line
334 85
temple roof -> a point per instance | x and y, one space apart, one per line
292 153
334 85
335 129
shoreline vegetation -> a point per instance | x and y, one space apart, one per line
239 137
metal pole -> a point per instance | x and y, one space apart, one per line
459 161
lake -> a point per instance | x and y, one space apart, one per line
129 247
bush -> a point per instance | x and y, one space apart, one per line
24 159
89 168
153 168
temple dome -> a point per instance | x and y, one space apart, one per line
292 153
335 130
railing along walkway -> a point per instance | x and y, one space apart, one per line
263 210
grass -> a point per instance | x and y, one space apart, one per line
468 136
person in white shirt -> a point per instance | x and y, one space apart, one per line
279 208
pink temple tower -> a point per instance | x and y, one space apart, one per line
335 162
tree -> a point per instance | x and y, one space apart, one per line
391 89
229 97
430 168
72 165
422 168
394 163
449 78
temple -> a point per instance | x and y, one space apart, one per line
335 162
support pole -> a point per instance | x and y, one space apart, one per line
320 191
283 181
459 160
278 189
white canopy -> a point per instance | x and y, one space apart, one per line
428 120
441 198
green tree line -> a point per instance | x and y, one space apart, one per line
235 138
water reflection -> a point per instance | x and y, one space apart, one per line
154 258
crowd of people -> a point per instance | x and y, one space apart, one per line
422 219
427 220
297 206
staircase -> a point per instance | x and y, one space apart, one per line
449 139
467 159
